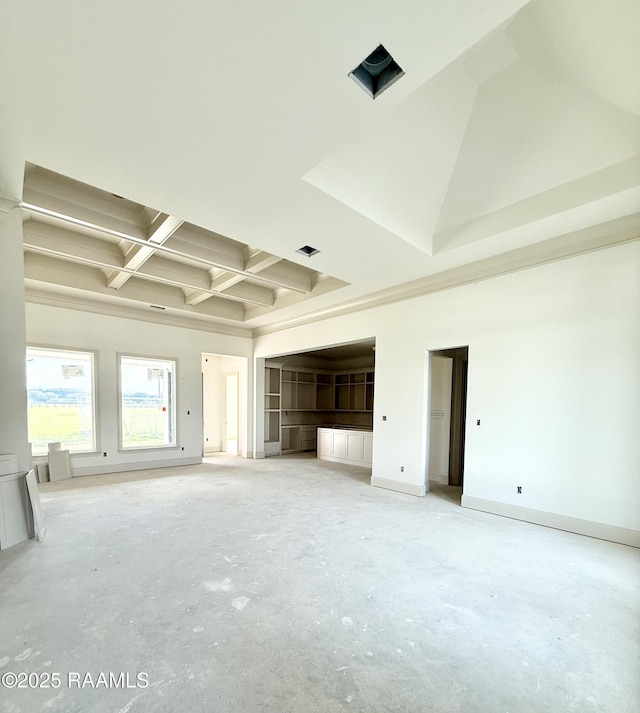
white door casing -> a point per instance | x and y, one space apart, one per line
440 421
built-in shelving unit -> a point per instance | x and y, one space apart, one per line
297 401
354 391
299 390
272 412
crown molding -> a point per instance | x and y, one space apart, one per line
600 237
8 204
52 299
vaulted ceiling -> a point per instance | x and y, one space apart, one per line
176 156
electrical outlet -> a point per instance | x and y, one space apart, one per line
520 488
384 418
478 422
104 455
402 469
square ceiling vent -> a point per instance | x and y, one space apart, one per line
377 72
307 250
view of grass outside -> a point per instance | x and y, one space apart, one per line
143 426
147 402
61 399
69 424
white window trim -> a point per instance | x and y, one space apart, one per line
94 393
172 446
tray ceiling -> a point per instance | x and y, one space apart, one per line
235 136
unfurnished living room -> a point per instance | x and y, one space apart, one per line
320 355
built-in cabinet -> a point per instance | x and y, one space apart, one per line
272 439
346 446
297 401
298 438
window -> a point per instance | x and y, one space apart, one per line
61 399
147 402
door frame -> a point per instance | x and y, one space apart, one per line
225 403
458 411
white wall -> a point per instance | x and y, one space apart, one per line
553 376
108 336
13 393
554 355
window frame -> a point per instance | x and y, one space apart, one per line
95 397
122 448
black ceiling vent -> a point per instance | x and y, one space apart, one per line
377 72
307 250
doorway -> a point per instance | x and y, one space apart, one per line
448 411
230 410
224 405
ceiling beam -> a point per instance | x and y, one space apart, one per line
39 203
72 247
160 231
172 238
195 297
260 260
60 276
255 263
51 240
226 280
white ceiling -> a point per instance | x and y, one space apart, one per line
516 125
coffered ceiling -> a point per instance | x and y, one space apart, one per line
234 136
83 241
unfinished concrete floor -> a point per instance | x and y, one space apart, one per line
289 584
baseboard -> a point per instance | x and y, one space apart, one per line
141 465
259 454
399 486
598 530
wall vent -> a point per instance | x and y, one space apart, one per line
377 72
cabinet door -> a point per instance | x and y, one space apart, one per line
367 447
339 445
354 446
325 443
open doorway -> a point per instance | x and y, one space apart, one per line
448 410
224 396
